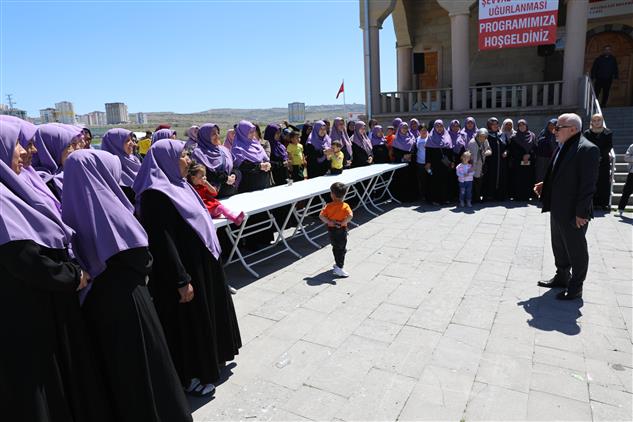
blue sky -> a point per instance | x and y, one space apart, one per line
184 56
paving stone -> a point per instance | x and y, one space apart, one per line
549 407
560 381
392 313
378 330
381 397
492 403
314 404
410 351
505 371
429 403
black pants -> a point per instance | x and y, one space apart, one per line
604 86
626 192
423 177
334 171
477 189
338 240
297 173
570 252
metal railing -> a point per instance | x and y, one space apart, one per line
531 95
591 105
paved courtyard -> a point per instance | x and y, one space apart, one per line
441 319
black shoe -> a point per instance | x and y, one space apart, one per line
554 282
566 295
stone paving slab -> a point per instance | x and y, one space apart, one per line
441 319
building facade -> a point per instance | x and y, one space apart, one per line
440 66
296 112
116 113
65 112
48 115
141 118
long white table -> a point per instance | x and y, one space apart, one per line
362 182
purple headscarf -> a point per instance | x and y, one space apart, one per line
436 140
245 149
277 148
192 133
162 134
228 144
112 142
469 134
160 172
338 135
396 123
375 139
362 141
404 142
25 216
216 158
93 177
458 138
317 142
51 140
27 129
415 132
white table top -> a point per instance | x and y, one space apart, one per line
258 201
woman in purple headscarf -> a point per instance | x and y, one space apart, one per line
339 133
54 143
379 145
315 150
46 362
521 153
362 152
217 159
404 186
439 159
187 280
414 125
495 183
459 146
278 154
163 134
119 142
470 129
120 313
192 136
250 158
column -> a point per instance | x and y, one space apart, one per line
405 69
460 61
372 69
574 54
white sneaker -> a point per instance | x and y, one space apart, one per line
621 212
339 272
232 289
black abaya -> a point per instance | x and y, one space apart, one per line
381 154
202 334
47 371
404 185
359 156
141 381
314 167
521 175
494 184
439 184
604 141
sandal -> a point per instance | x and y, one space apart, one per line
203 390
195 382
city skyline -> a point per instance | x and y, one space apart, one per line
288 53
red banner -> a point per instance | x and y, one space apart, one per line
516 23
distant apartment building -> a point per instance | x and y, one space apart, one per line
141 118
116 113
48 115
3 107
65 112
16 112
297 112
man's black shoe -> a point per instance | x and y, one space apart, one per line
554 282
566 295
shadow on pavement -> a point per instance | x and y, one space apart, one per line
550 314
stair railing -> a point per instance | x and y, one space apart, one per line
591 105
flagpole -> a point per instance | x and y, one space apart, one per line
345 117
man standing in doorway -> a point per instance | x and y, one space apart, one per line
567 193
603 72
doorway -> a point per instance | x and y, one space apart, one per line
622 45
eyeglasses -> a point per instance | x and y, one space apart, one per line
557 128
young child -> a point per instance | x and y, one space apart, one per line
197 177
296 160
465 173
336 158
337 214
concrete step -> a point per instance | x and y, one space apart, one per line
621 167
620 177
615 200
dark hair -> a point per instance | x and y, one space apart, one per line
423 126
195 168
393 128
293 134
148 133
337 143
372 123
327 122
338 189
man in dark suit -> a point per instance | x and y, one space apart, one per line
567 193
603 71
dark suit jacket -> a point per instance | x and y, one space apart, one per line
569 186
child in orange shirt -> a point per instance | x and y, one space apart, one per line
197 177
337 214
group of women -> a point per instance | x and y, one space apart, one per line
116 303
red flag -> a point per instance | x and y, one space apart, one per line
341 89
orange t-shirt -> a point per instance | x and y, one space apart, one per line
336 211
